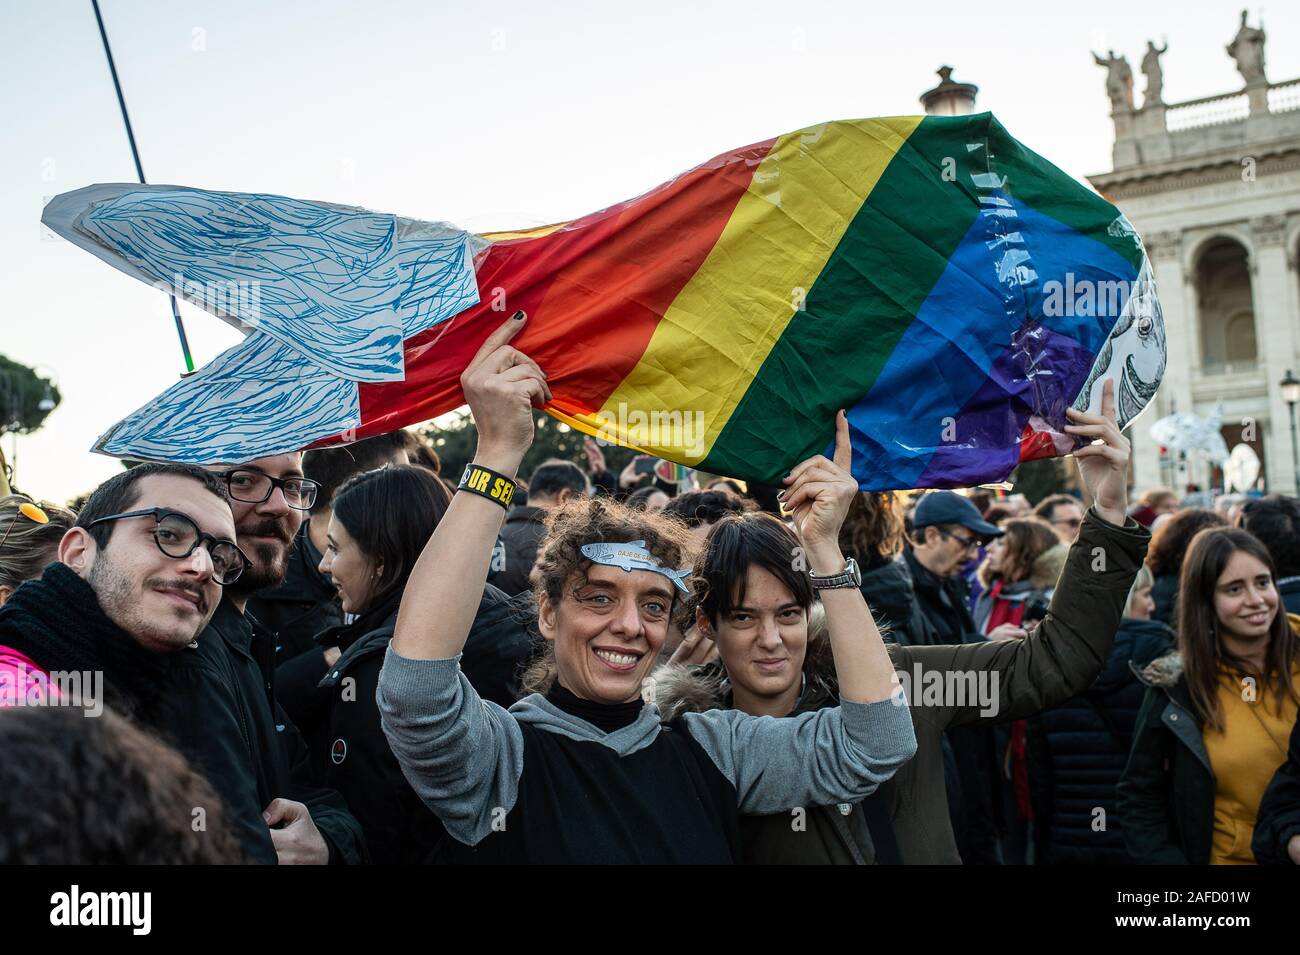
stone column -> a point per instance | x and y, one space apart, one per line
1276 336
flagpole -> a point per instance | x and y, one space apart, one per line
139 170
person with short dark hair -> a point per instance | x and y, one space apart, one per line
220 700
138 578
1275 520
700 510
305 603
997 514
78 791
554 482
730 485
650 498
1064 513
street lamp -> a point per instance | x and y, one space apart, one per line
1291 395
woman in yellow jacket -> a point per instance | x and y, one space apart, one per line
1218 713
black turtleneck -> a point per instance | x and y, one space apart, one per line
606 717
57 622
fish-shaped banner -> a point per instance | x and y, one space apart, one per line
952 289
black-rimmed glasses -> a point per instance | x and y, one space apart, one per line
254 487
177 536
966 542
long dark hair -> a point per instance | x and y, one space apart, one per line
391 513
1198 622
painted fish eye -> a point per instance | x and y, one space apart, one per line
1144 326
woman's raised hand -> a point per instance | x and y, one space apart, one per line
1103 467
502 385
819 491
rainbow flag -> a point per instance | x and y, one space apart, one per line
950 288
928 274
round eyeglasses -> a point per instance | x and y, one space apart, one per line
254 487
177 536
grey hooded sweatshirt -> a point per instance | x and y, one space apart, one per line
536 783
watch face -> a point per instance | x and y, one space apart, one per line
856 572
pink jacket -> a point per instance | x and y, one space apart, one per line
22 680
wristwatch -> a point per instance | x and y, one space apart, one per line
850 576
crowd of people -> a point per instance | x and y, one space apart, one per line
344 656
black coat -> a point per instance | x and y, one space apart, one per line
340 718
1164 591
888 589
971 758
1278 819
220 710
1289 589
1165 796
302 606
516 551
1077 752
944 602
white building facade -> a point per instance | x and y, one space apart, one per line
1213 187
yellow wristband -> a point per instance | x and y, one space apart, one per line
488 483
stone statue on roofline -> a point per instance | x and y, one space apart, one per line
1152 70
1119 81
1247 49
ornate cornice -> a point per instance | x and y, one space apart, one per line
1163 245
1268 230
1132 182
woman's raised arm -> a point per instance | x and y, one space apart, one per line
817 495
502 386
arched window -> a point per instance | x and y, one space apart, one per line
1240 333
1225 308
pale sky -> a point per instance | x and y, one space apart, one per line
488 116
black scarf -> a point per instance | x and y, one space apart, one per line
58 623
606 717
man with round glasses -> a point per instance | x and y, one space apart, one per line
137 579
